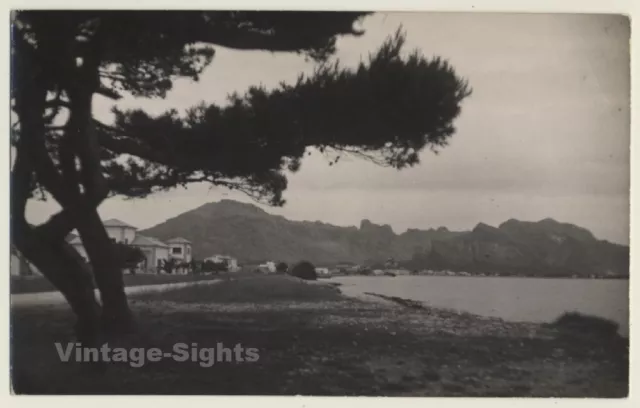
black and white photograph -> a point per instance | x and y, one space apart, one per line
319 203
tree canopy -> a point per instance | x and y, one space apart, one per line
388 109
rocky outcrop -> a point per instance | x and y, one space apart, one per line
544 248
247 232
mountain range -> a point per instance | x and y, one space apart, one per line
247 232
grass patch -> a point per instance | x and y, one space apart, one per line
256 289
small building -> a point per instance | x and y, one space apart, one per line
267 267
156 252
180 249
399 271
231 262
120 231
321 271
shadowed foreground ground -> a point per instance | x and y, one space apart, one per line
314 341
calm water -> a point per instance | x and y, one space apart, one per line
513 299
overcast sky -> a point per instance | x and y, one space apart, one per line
545 133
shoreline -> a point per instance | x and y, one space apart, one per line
605 278
314 340
423 306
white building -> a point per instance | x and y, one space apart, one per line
267 267
117 230
120 231
180 249
232 263
323 271
155 251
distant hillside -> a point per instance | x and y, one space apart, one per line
544 248
251 234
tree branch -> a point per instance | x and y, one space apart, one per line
32 132
30 100
81 132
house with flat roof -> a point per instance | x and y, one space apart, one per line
180 249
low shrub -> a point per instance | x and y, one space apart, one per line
282 267
304 270
586 325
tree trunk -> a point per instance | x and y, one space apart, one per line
61 264
52 255
116 316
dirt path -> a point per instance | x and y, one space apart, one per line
54 298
